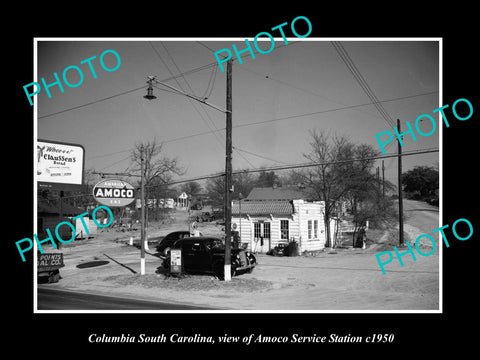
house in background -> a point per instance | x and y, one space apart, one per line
271 216
183 202
48 217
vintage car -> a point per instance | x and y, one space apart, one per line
166 243
206 255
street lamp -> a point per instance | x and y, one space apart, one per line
150 95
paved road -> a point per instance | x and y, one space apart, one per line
421 215
420 218
54 299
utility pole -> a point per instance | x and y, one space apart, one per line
142 202
228 176
377 178
400 191
61 212
383 180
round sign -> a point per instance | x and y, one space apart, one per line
114 192
194 225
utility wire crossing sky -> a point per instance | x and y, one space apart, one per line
352 88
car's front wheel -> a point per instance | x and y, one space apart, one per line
166 251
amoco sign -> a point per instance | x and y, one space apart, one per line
114 192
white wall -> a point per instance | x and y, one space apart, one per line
298 227
247 231
306 211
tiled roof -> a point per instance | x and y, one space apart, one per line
279 193
274 207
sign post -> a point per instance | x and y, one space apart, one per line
59 167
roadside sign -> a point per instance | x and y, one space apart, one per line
59 166
176 261
50 262
114 192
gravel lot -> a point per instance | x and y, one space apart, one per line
344 279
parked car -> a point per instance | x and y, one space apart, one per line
206 255
290 249
166 243
205 216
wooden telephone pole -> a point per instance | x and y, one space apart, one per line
142 201
228 176
400 190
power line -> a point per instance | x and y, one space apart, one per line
362 82
116 162
188 84
260 156
93 102
310 92
327 111
301 165
179 85
211 81
283 118
109 154
205 46
172 77
206 113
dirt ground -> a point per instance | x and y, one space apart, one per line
340 279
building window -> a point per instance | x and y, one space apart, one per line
315 229
284 229
266 230
257 230
309 229
261 230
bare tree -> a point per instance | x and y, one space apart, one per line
159 169
156 165
243 183
338 178
215 188
328 180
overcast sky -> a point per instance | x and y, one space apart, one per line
277 98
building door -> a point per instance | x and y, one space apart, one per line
261 237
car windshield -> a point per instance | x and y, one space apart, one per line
217 244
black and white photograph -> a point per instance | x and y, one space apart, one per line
296 152
231 181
